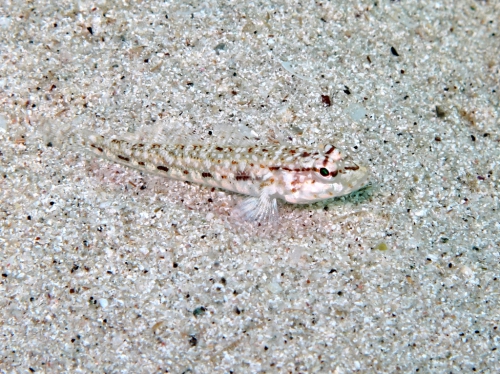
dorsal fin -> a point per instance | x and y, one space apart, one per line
220 134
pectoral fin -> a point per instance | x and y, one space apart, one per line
261 209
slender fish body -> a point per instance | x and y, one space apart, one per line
296 174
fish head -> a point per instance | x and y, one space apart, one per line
332 174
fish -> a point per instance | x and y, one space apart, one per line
264 173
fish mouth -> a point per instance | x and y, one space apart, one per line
357 178
364 179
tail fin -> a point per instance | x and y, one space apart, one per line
55 134
62 135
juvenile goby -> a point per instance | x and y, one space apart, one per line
296 174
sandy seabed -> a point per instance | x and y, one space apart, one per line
106 269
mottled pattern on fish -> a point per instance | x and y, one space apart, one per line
293 173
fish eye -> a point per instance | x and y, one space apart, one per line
324 172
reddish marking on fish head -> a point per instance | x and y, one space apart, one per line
329 149
353 167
